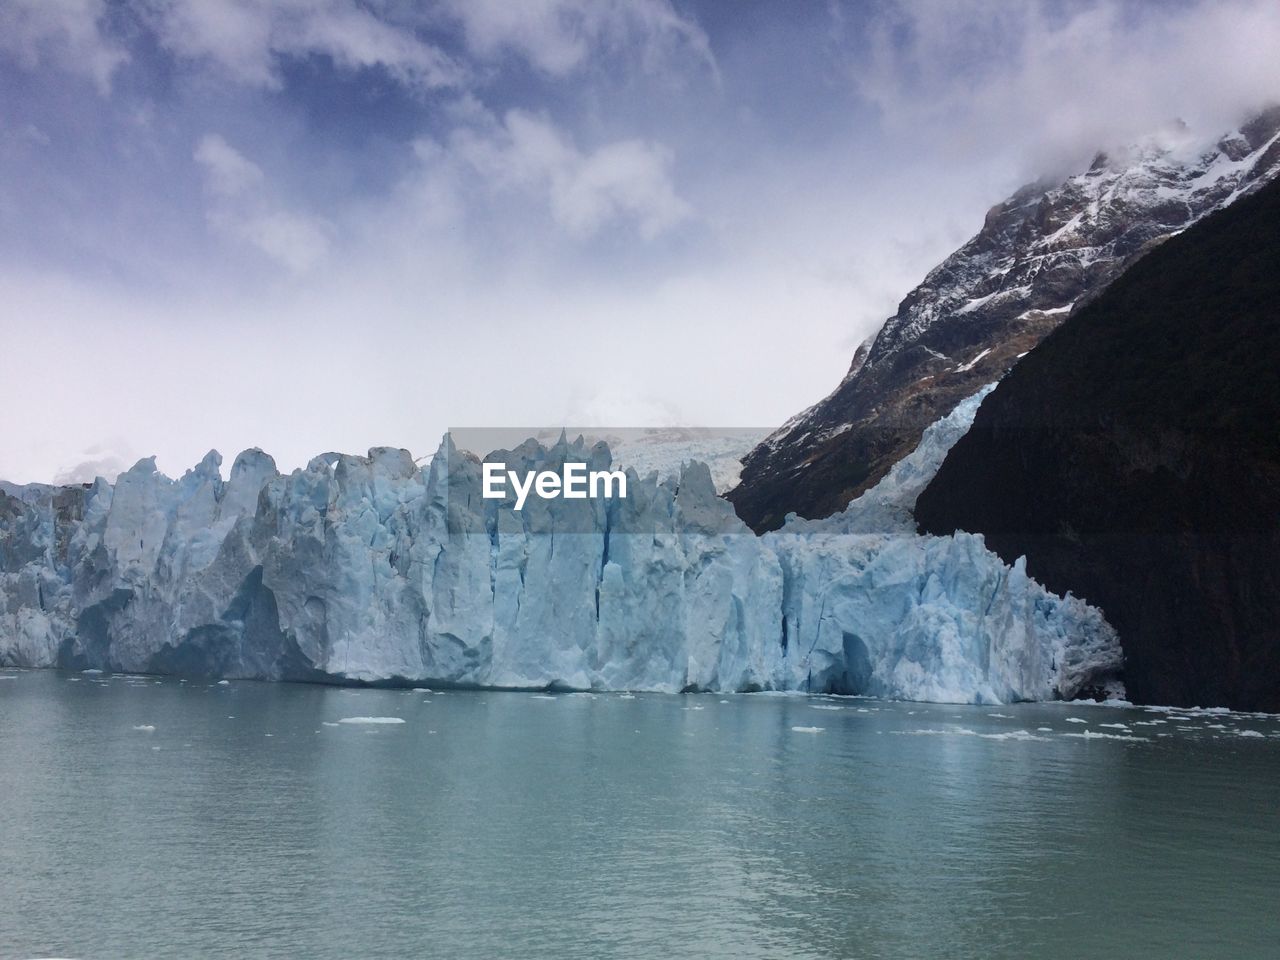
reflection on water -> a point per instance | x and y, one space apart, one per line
141 817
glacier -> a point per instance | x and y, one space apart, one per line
377 570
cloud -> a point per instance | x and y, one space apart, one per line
229 173
107 460
65 33
553 227
1061 79
585 190
560 36
241 209
299 243
246 39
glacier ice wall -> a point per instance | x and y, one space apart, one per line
375 569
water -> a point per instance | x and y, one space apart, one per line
507 824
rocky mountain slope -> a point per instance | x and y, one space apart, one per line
1040 254
1134 459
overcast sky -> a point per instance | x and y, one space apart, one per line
312 225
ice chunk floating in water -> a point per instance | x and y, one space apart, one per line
376 569
371 720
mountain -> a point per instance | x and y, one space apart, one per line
374 569
1039 255
1133 458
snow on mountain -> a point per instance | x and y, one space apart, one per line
1044 251
375 569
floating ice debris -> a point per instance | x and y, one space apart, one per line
1109 702
1095 735
1187 713
145 728
1076 720
632 696
953 732
966 732
224 683
327 723
371 720
542 696
1248 733
808 729
1000 716
1012 735
91 670
1045 729
1114 726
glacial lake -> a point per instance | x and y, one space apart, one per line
148 817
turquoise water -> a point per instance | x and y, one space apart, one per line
142 817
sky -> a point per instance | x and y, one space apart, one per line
313 225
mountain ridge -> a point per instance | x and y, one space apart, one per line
1039 254
1137 462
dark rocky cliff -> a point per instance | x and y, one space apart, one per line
1134 458
1045 250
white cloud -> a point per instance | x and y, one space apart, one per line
228 173
241 209
1060 80
558 36
66 33
511 252
107 460
626 180
298 242
246 38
